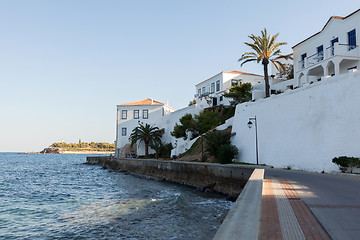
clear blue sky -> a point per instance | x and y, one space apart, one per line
65 65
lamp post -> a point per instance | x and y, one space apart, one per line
252 120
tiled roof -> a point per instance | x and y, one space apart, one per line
337 17
238 72
147 101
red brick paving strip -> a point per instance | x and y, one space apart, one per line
269 220
310 225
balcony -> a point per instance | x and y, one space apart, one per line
341 50
315 58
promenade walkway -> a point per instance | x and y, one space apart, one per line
301 205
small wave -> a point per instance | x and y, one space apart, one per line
105 211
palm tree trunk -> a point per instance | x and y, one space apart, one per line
266 76
146 149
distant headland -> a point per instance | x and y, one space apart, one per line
79 148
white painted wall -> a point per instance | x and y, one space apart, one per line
155 114
207 84
168 123
283 85
225 79
335 28
304 128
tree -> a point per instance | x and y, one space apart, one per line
240 93
187 123
219 145
266 50
206 121
347 163
147 134
288 71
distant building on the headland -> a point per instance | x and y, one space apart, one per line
129 115
211 90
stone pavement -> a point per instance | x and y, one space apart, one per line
301 205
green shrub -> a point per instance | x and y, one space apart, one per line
226 153
215 139
227 112
240 93
187 123
161 150
207 120
346 163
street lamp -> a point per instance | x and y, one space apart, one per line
252 120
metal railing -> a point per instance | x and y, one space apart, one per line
337 49
315 58
301 64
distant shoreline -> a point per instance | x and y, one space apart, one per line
72 152
67 151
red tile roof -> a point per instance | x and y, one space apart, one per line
147 101
238 72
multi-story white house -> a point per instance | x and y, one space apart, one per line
214 87
129 115
332 51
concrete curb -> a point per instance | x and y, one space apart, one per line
242 221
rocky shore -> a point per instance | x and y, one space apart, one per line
52 150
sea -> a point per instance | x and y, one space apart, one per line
59 197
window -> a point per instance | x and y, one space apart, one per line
123 131
145 114
302 62
136 114
335 40
124 114
221 98
212 87
234 82
352 39
320 53
199 92
218 85
203 91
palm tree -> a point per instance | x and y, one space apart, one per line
147 134
266 50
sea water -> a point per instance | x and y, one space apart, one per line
59 197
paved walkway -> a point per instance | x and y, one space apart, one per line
300 205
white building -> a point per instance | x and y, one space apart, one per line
129 115
332 51
213 88
278 81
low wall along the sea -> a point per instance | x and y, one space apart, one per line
224 179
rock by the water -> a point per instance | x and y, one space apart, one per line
50 151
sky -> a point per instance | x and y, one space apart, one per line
65 65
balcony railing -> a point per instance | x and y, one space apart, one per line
301 65
315 58
336 50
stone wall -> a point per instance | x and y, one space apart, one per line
224 179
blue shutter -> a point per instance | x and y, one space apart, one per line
352 39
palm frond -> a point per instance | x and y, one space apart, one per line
249 60
278 65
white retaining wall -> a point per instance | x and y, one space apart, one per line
168 122
304 128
